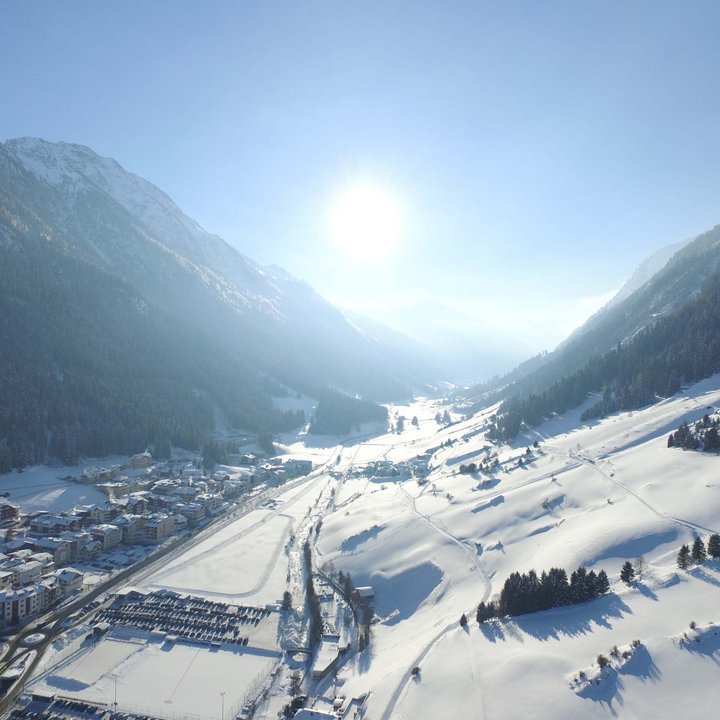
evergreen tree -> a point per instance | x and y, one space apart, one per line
711 441
713 546
683 557
592 584
579 585
698 553
559 586
627 572
603 584
463 620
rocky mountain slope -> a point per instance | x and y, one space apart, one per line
663 296
123 320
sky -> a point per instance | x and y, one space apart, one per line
535 152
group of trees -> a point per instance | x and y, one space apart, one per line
337 414
362 609
528 592
699 553
702 435
89 369
680 348
443 419
315 630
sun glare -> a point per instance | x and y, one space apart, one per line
366 222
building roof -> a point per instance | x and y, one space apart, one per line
366 591
307 714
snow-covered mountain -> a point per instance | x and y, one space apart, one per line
638 306
122 262
646 270
76 171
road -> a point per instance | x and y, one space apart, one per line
53 620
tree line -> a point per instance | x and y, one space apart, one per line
338 414
88 370
701 435
699 552
527 592
682 347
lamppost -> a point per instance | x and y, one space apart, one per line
222 705
115 698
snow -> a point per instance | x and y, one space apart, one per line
42 488
520 668
244 562
76 169
595 493
184 676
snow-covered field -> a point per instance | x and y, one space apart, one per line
596 494
152 677
43 488
244 562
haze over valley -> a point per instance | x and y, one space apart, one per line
359 361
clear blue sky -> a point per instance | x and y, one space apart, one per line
541 149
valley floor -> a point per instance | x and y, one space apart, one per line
432 547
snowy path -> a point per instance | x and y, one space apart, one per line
611 476
472 553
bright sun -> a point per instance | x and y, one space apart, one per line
366 221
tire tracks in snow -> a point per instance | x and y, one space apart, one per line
406 679
592 462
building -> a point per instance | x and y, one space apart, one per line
308 714
45 525
141 460
180 521
109 536
17 604
27 572
95 514
92 548
70 579
58 548
45 559
137 503
76 541
211 502
132 528
296 468
8 510
7 578
158 527
365 593
194 512
186 492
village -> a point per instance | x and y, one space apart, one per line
212 575
47 557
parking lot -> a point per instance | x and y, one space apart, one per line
189 618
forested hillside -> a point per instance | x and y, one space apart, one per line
123 323
677 283
682 347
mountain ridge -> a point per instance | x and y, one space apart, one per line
67 215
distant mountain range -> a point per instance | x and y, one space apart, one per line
461 346
123 322
656 335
